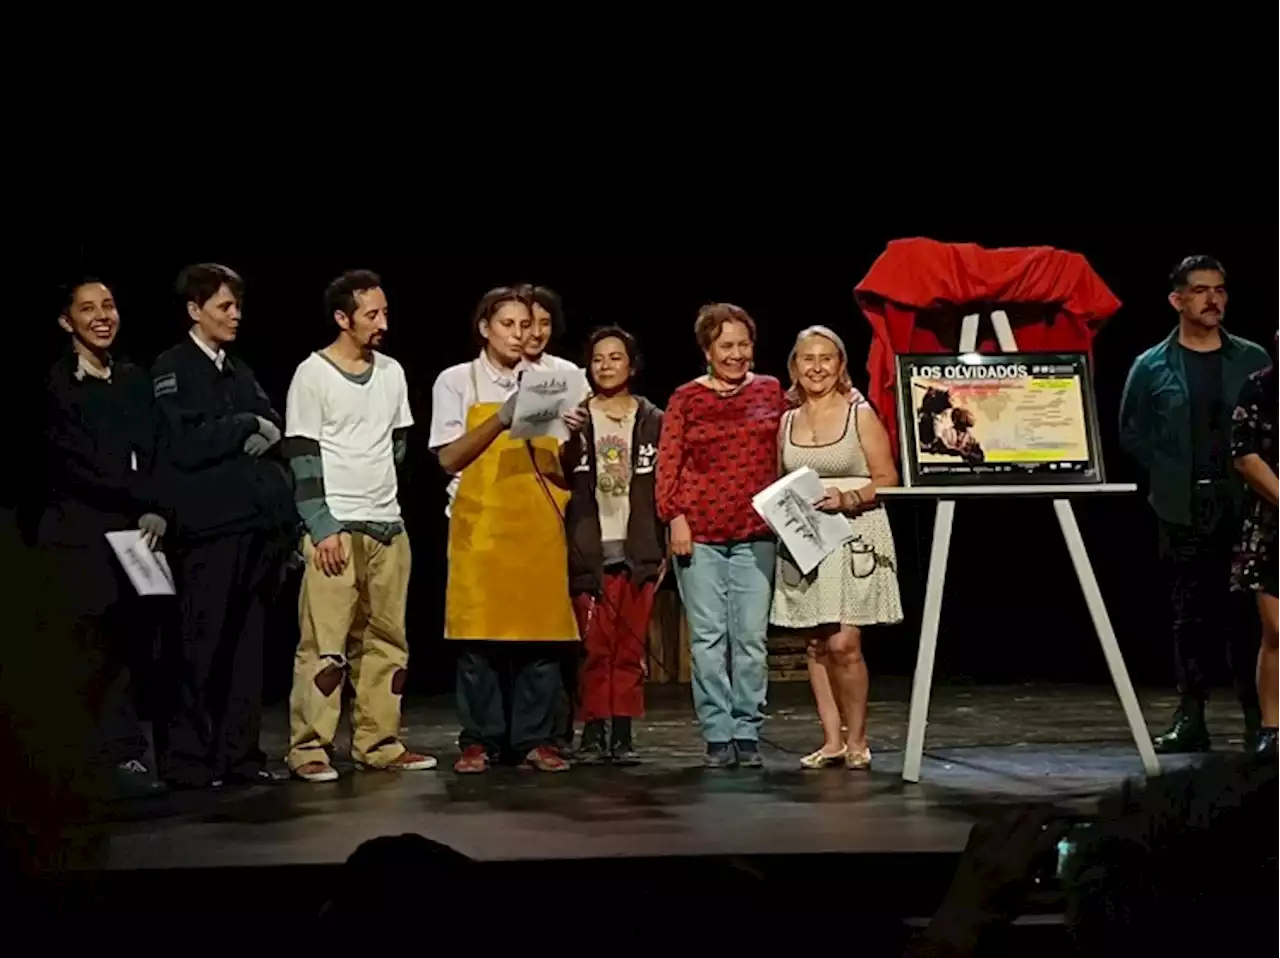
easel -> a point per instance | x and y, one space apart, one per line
922 683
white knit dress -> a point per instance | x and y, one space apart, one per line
857 584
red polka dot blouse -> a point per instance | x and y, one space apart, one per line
716 452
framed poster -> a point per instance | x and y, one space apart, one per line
998 419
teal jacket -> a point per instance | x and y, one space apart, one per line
1155 417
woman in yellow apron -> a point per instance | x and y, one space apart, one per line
507 602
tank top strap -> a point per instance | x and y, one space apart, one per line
853 445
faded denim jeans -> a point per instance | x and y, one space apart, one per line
726 590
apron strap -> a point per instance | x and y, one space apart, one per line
475 386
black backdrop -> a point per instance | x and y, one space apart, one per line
1012 611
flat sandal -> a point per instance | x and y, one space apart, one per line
857 761
821 759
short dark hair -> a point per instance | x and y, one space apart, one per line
628 343
340 295
67 290
495 298
198 284
1178 278
712 318
550 300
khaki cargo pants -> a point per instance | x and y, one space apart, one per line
352 629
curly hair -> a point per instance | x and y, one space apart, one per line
712 318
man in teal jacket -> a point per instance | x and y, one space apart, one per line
1175 419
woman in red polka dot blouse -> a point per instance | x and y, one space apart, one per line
718 449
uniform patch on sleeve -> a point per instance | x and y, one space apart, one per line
165 385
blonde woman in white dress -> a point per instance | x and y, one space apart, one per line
835 432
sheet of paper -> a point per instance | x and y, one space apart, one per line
808 534
148 571
544 397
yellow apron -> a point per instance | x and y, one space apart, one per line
508 562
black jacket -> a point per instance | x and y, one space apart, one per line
210 484
101 445
645 547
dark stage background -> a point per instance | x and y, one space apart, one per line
1013 610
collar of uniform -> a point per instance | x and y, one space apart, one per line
217 358
83 369
500 377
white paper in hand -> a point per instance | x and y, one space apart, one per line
809 534
148 571
544 397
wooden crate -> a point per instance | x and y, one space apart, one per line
788 660
668 658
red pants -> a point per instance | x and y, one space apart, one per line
614 629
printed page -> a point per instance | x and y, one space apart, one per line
543 399
148 571
808 534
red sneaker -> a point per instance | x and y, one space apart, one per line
473 760
546 759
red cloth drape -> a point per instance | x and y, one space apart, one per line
918 276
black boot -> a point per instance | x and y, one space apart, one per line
1188 732
592 750
1265 747
1252 726
621 749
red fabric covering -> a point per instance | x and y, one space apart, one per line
917 291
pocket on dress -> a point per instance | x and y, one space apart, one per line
792 577
862 559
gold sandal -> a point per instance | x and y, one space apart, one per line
857 761
821 759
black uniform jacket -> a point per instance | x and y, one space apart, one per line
210 485
100 445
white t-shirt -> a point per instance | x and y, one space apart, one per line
453 394
353 423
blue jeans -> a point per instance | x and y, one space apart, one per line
726 591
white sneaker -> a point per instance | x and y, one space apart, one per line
316 772
412 762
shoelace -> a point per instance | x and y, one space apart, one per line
133 765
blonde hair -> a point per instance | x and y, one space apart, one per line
843 383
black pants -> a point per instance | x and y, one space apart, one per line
531 672
1198 558
214 658
114 631
114 644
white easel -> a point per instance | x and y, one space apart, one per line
923 682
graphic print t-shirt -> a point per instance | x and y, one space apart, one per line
613 479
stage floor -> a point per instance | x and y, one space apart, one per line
987 746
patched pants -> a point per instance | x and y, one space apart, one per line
352 630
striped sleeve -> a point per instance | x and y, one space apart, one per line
308 474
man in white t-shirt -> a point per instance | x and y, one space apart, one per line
345 420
